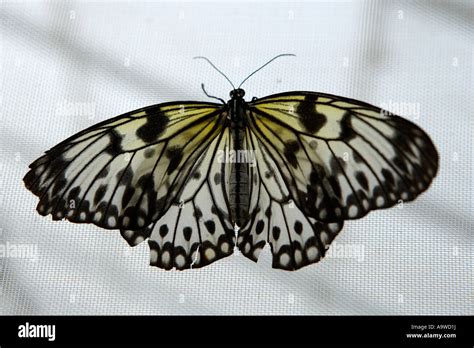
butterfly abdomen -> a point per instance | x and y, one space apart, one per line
239 193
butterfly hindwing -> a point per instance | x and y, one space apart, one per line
124 172
342 158
296 240
196 230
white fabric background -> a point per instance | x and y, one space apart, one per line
106 58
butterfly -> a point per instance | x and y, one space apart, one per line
202 179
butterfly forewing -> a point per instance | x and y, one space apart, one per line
342 158
124 172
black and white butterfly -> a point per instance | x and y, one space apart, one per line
198 179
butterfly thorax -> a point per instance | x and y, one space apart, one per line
239 188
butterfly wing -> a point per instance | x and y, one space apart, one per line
295 239
124 173
341 158
196 230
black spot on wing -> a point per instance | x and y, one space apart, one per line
268 212
74 193
149 153
59 185
298 227
187 231
291 148
362 180
163 230
276 232
103 173
347 133
211 226
336 187
155 125
115 147
146 182
388 176
337 165
127 195
100 193
311 120
125 176
259 227
197 213
174 155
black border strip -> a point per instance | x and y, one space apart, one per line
290 330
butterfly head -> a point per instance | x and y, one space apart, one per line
237 93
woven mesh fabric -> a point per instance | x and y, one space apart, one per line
65 66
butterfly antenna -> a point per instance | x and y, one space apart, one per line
211 96
220 72
264 65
